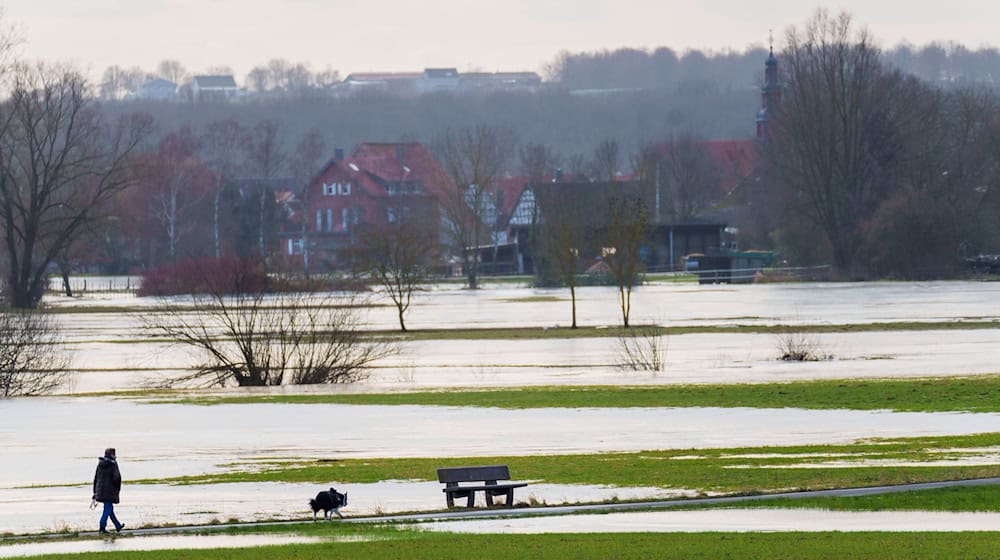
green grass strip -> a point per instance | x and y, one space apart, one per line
957 498
515 333
736 470
623 546
974 394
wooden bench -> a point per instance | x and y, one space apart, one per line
488 476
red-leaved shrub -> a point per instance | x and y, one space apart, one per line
208 275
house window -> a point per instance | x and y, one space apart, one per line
294 246
343 214
345 189
329 219
329 190
319 219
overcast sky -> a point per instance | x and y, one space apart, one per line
406 35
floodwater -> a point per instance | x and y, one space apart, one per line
49 441
55 441
730 520
449 306
690 358
30 510
171 542
106 364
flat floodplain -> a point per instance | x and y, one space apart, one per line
909 382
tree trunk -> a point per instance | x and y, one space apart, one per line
215 216
402 325
64 272
572 297
625 307
470 271
260 217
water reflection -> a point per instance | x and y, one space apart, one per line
730 520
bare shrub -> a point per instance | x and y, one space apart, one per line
32 361
254 338
800 347
642 348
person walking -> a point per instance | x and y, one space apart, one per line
107 487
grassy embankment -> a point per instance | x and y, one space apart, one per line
985 498
971 394
625 546
747 470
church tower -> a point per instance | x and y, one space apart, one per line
770 94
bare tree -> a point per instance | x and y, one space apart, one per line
682 176
399 255
265 156
642 348
606 162
303 164
250 337
112 86
59 161
178 169
838 134
562 238
327 78
628 218
474 158
32 361
220 144
172 71
537 161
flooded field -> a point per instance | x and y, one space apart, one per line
113 351
55 440
450 306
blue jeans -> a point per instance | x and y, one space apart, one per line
109 511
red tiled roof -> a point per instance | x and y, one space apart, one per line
510 189
382 160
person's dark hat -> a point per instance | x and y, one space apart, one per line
110 452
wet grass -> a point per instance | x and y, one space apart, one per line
602 331
736 470
516 333
973 394
985 498
534 299
626 546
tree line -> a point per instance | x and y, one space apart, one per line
872 169
938 62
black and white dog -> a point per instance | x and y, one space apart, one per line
328 501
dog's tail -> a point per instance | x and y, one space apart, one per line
312 504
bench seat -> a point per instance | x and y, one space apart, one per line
488 475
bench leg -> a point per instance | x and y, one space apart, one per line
510 497
472 499
489 498
451 500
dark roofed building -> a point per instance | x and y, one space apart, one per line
214 88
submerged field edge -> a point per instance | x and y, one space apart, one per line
976 393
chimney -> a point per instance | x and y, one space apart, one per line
558 175
338 154
399 154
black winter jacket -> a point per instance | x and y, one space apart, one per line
107 481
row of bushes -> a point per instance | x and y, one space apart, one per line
231 274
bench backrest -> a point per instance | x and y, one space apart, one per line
468 474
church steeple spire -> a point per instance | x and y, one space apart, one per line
770 92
